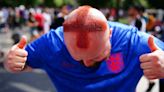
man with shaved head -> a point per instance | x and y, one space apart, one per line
90 54
86 35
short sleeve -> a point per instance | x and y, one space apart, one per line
34 50
44 49
139 40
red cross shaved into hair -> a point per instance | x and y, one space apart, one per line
82 23
82 40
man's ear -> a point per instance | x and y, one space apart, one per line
110 32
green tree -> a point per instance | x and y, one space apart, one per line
14 3
58 3
127 3
95 3
112 3
32 3
157 3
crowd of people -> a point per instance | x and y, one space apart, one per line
140 17
39 19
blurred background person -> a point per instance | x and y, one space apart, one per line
3 19
47 19
136 19
32 24
60 16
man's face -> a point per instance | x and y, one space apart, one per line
98 47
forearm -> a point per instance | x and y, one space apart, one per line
25 69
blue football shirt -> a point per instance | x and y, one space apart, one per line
120 73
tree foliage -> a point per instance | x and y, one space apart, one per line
96 3
14 3
33 3
93 3
156 3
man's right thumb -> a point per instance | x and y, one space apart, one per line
22 43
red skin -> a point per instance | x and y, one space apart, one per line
151 44
22 42
82 24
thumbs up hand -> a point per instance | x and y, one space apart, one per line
16 57
153 63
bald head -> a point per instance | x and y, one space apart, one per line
84 28
83 20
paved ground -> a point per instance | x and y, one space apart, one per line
37 81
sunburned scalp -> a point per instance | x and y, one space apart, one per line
82 21
82 40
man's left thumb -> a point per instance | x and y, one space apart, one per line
151 44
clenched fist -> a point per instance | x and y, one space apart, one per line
16 57
153 63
